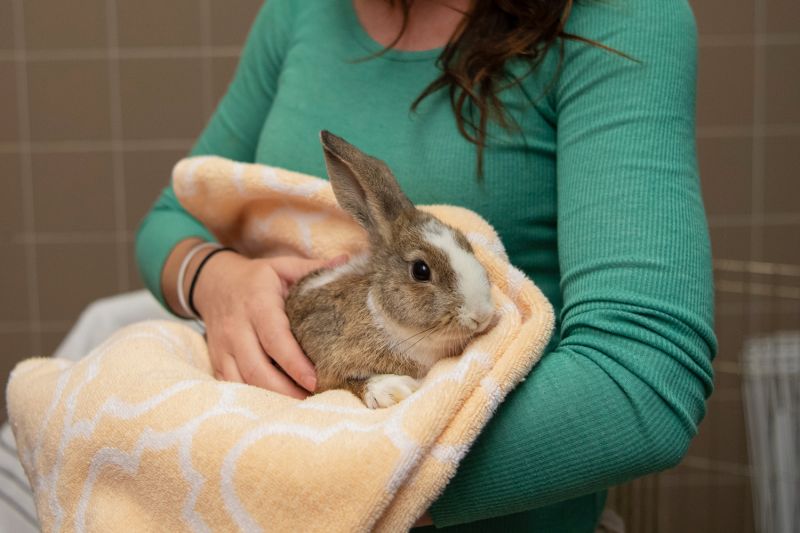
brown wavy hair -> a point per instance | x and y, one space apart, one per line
473 62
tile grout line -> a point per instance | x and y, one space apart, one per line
98 146
154 52
115 103
207 74
158 52
757 39
49 326
771 130
133 145
26 171
75 237
758 145
758 167
772 219
715 465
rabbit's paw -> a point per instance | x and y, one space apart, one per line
385 390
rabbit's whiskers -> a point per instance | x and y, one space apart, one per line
429 330
445 329
398 343
456 343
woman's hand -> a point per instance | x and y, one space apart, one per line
241 301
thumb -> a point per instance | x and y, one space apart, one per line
291 269
336 261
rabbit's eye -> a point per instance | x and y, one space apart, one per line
420 271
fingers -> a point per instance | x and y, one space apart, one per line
336 261
246 363
277 340
249 329
223 363
229 370
256 368
291 269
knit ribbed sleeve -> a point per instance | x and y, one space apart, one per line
624 390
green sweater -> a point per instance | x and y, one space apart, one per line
596 198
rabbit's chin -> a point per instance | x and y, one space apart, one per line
423 347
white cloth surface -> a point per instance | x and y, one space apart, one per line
95 324
103 317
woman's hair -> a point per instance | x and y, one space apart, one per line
473 63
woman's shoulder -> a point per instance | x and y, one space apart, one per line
285 11
295 7
639 49
632 33
630 19
287 15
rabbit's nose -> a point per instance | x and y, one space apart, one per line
479 322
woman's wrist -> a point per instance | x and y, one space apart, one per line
212 277
174 286
207 249
171 271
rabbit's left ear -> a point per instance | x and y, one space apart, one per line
364 186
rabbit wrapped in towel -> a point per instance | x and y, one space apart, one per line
377 324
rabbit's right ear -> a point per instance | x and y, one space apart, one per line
364 186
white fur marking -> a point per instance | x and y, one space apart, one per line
379 318
385 390
353 266
425 351
473 283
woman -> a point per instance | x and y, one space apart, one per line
579 150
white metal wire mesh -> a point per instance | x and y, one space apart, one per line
772 404
770 367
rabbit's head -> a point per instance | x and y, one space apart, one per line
425 278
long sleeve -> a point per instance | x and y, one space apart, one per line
622 393
232 132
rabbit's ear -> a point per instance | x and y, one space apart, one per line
364 186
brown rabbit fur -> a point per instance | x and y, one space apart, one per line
376 325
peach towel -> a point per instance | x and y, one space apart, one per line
139 436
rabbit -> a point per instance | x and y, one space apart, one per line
377 324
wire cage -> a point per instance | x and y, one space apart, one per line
770 364
770 368
772 396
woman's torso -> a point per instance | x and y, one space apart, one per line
326 83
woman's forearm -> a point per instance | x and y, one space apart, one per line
161 246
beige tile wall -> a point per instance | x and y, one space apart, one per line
98 99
